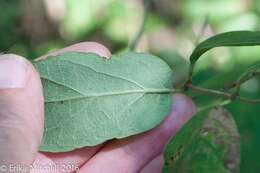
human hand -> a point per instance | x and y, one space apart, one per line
22 121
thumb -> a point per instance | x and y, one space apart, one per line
21 111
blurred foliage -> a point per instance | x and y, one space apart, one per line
209 142
32 28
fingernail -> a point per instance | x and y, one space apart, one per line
13 71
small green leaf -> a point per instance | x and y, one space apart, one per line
251 72
209 142
234 38
89 99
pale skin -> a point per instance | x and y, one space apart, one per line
22 122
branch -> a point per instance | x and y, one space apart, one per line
133 44
226 95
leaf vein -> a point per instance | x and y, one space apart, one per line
107 74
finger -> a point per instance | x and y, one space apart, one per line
79 156
87 47
155 166
42 164
132 154
63 162
21 110
76 157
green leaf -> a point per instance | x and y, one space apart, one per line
89 99
251 72
234 38
180 66
209 142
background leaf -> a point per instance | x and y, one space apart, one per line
234 38
209 142
213 76
89 99
179 65
251 72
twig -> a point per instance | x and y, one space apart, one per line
226 95
133 44
241 81
245 79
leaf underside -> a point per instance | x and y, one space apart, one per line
209 142
89 99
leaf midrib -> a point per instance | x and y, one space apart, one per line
127 92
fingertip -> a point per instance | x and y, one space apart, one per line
183 104
86 47
90 47
14 71
183 108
